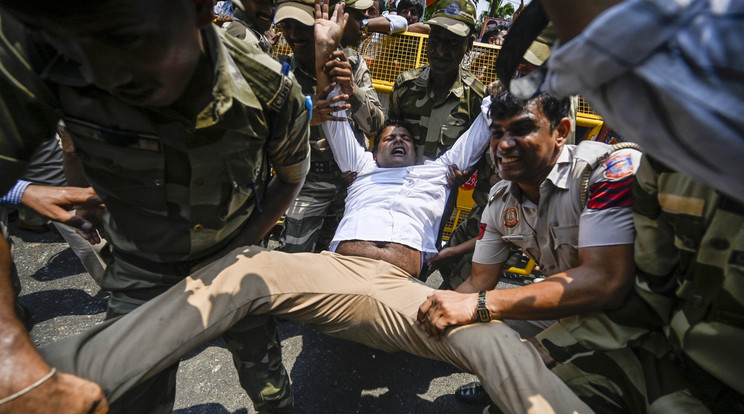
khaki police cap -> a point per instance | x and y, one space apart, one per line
457 16
301 10
538 53
539 50
362 5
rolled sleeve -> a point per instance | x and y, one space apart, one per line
490 248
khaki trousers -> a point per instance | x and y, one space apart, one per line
363 300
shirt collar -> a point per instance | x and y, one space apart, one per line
457 88
561 171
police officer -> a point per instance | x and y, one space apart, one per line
251 21
568 207
440 100
320 204
174 125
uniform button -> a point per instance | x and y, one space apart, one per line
199 182
719 244
543 240
235 185
158 183
541 213
198 227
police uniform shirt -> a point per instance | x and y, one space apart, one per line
176 188
552 231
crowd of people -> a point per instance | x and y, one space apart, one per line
175 141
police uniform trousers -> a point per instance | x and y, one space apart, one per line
367 301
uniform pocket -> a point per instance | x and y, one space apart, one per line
123 165
245 171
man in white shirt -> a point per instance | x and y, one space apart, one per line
394 208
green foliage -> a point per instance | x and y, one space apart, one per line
499 9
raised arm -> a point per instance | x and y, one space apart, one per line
347 152
471 145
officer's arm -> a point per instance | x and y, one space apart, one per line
278 197
601 281
22 366
482 276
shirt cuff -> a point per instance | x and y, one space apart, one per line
13 197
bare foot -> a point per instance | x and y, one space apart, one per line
61 394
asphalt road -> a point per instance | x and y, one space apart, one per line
328 375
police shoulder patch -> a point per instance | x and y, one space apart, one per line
282 93
619 166
511 218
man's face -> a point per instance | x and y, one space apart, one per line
410 14
395 148
301 39
445 51
260 13
373 11
140 51
353 30
524 148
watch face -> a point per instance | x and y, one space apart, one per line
484 315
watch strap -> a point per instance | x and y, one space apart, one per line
484 315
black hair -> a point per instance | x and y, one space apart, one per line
505 105
492 32
418 8
388 122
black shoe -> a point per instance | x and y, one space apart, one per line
473 393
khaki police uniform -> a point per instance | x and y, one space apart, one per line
553 231
674 344
312 218
177 190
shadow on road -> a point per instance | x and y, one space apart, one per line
49 304
212 408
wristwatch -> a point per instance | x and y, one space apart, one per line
365 24
484 315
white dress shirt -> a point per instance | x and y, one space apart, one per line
401 205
